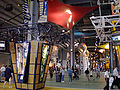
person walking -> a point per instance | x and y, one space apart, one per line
2 69
87 73
63 73
91 75
70 71
76 74
98 73
106 76
115 75
51 71
8 76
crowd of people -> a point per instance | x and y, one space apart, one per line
6 75
73 74
89 74
60 72
113 80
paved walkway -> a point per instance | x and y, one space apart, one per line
46 88
82 83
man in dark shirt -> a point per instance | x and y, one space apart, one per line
8 76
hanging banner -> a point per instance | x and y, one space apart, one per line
64 14
115 6
43 11
26 11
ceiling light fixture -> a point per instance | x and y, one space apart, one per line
68 11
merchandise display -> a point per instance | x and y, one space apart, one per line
45 51
30 64
21 55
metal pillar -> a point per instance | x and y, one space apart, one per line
111 56
34 19
30 22
72 48
99 7
62 56
35 12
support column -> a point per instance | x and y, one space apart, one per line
99 7
72 48
34 19
62 56
111 56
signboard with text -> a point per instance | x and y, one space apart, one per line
43 11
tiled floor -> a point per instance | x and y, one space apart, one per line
46 88
82 84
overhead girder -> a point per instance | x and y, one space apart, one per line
103 26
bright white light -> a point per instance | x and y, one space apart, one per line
70 18
55 47
73 22
50 64
76 44
63 30
67 25
101 50
2 45
116 48
68 11
107 46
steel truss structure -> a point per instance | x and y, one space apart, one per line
104 26
47 32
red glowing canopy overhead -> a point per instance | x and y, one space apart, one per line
65 15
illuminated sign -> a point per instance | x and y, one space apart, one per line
115 38
2 45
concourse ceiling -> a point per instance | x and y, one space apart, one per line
11 15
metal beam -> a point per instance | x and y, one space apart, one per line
102 22
5 21
105 21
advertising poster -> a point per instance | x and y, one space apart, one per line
43 11
26 11
45 51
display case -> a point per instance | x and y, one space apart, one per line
22 57
30 62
